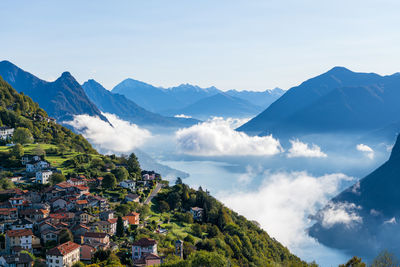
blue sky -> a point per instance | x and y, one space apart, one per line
232 44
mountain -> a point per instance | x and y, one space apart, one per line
262 99
222 105
338 100
61 99
150 97
128 110
364 218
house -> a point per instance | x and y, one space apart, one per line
128 184
148 259
81 204
106 215
21 224
27 159
6 132
94 237
19 238
62 204
7 214
43 177
197 213
85 217
132 197
34 214
109 226
133 218
143 247
16 260
65 254
87 253
35 166
49 235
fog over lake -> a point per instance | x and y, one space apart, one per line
279 183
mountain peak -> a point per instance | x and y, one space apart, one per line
339 69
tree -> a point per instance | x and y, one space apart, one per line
163 206
121 174
56 178
178 181
109 181
101 255
65 236
78 264
6 183
39 151
22 136
203 258
385 259
17 151
354 262
133 164
120 227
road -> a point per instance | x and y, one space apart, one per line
153 193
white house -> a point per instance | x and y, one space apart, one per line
19 238
143 247
197 213
128 184
43 177
6 132
65 254
35 166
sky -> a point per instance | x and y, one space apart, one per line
230 44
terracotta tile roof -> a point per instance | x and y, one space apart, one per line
82 202
86 252
22 232
7 211
63 249
59 216
81 187
100 178
144 242
113 220
64 185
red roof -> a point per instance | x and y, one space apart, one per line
64 185
63 249
21 232
82 202
81 187
59 216
144 242
112 220
7 211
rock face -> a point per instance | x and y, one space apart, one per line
128 110
338 100
61 99
363 218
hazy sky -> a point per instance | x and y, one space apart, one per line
230 44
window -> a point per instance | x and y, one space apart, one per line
57 261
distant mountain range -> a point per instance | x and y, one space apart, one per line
61 99
367 213
222 105
196 101
126 109
338 100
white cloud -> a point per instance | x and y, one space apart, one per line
391 221
183 116
369 152
121 137
355 189
300 149
283 202
217 137
340 213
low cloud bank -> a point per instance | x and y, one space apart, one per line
217 137
300 149
369 152
284 201
121 137
340 213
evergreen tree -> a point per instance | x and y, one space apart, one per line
120 227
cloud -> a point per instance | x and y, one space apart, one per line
183 116
283 202
300 149
367 150
391 221
121 137
217 137
340 213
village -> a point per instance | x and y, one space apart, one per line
64 223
